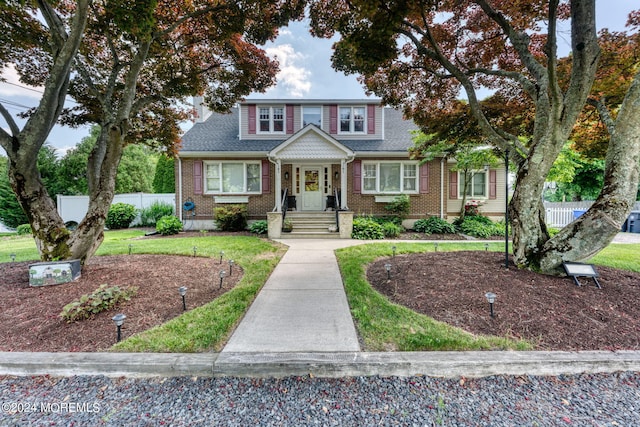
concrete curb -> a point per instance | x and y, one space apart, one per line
330 365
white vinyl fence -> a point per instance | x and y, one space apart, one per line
74 208
560 214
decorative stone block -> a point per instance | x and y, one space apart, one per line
54 273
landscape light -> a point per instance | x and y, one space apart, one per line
195 250
13 257
130 248
491 298
486 247
118 319
222 274
388 268
231 262
221 255
435 246
393 248
183 291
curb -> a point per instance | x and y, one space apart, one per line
328 365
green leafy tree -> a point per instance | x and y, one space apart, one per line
136 170
134 64
73 166
164 180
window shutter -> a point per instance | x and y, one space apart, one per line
424 178
289 113
453 185
493 187
266 177
371 119
197 177
252 118
333 119
357 173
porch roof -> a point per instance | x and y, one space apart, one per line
311 143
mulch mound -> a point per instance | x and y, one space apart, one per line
551 312
29 316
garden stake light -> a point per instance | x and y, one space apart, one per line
435 246
231 262
491 297
222 274
486 247
393 248
13 257
118 319
130 247
183 291
195 250
388 268
221 255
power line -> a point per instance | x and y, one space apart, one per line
13 103
34 90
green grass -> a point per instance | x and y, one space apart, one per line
205 328
386 326
617 255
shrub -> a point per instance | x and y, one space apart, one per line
149 216
481 226
99 300
169 224
434 225
231 217
259 227
384 219
120 216
23 229
365 228
391 229
399 206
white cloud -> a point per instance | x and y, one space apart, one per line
293 77
10 74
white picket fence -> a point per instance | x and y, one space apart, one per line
560 214
74 208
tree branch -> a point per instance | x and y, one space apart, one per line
603 112
15 130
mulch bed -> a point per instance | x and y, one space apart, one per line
29 316
550 311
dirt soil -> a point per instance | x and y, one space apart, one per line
552 312
29 316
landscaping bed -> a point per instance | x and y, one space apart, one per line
551 312
29 316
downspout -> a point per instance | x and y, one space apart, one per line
278 184
180 187
343 179
442 188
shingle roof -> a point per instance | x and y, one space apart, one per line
219 133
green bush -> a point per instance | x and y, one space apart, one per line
231 217
384 219
169 224
399 206
365 228
149 216
120 216
434 225
481 227
23 229
99 300
391 229
259 227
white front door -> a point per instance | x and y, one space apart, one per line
311 188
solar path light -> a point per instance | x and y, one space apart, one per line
222 274
491 298
388 268
183 292
118 319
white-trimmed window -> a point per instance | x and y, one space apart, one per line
352 120
389 177
312 115
477 186
271 119
232 177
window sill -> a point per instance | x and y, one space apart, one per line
231 199
389 198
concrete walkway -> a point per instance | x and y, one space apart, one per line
302 306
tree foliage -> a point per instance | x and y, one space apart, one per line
164 180
421 55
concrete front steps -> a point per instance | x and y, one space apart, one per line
311 225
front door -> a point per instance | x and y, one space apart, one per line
311 188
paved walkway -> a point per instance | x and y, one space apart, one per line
302 306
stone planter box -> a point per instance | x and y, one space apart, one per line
54 273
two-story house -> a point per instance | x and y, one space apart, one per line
311 156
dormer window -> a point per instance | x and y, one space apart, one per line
352 119
271 119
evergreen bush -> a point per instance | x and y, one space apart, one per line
365 228
120 215
168 225
231 217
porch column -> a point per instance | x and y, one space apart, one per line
278 186
343 184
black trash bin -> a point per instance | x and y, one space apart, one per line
633 222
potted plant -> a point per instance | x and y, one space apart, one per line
287 225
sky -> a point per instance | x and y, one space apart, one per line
305 72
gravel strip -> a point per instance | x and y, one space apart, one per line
584 400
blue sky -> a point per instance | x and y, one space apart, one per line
305 71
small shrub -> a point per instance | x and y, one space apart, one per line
168 225
391 229
259 227
434 225
23 229
231 217
552 231
99 300
384 219
399 206
149 216
366 229
481 226
120 216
